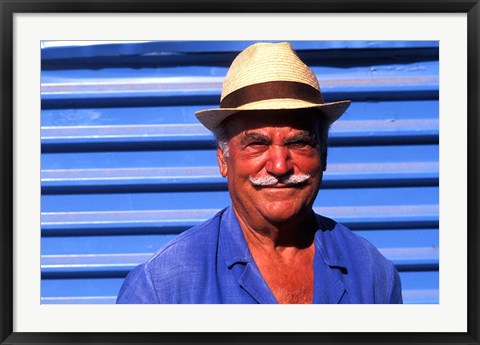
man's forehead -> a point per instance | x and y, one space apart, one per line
256 121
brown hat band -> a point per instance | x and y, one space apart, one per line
272 90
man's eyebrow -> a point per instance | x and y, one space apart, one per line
302 136
254 137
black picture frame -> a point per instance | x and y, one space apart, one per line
10 7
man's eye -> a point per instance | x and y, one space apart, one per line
257 144
300 144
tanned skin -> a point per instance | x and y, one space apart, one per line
277 220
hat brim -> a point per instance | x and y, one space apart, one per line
212 118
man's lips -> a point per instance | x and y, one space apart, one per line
282 186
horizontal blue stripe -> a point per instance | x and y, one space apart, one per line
141 243
415 280
351 158
105 290
75 265
358 111
211 76
190 97
80 287
116 244
157 222
196 84
420 296
195 178
188 136
57 50
198 200
79 300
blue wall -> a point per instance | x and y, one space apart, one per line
126 166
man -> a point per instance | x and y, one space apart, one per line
269 246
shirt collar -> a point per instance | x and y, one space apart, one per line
326 244
237 251
236 248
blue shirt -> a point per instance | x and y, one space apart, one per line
211 263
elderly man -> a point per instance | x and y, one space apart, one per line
269 246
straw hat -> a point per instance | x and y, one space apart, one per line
269 76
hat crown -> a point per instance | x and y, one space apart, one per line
266 62
269 77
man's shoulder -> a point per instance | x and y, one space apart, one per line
368 269
349 244
191 242
178 263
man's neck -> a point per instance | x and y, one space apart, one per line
296 234
284 255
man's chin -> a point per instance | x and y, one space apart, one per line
283 214
279 194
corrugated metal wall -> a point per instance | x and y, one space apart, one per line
126 166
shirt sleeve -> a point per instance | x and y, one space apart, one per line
138 288
395 296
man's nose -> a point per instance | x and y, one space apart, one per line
279 161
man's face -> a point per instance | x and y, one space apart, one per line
274 166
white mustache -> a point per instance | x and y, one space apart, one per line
267 181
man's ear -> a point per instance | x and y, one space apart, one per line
222 162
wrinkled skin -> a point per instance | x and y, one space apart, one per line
279 144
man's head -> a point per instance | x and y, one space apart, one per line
271 131
274 162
